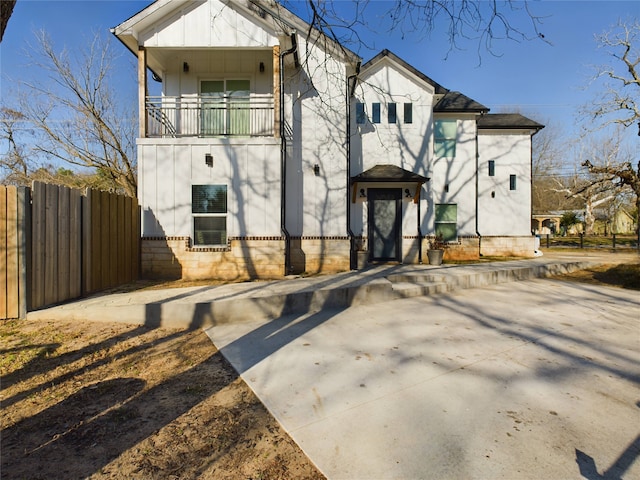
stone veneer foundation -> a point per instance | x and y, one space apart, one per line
263 257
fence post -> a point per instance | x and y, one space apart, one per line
581 240
548 240
614 241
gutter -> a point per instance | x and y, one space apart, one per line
353 258
283 163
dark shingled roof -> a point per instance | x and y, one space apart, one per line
457 102
507 120
388 173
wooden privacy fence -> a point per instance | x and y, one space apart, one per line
60 243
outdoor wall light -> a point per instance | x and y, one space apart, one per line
363 194
407 193
185 67
493 194
316 170
208 159
261 67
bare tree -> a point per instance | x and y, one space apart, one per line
616 100
469 20
549 171
79 116
618 103
14 166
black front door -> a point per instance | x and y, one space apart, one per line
385 212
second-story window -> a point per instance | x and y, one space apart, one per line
408 113
375 113
445 132
391 113
492 168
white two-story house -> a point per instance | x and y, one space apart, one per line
274 150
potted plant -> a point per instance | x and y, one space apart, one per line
437 246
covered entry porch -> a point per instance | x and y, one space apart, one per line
389 200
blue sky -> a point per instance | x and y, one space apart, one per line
541 80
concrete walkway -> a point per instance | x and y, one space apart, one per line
204 306
523 380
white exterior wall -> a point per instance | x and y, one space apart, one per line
408 146
168 167
218 43
316 112
459 174
509 211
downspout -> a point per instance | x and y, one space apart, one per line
419 226
478 192
353 259
283 162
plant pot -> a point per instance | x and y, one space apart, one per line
435 256
363 259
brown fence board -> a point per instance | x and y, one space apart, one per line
51 245
4 279
13 299
113 241
37 244
63 230
75 243
24 250
121 276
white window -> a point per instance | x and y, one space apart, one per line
209 209
445 132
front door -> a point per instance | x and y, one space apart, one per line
385 212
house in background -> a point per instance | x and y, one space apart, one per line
274 150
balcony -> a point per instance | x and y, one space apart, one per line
210 116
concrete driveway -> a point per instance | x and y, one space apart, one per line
528 380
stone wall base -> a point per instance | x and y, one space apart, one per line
508 246
264 257
242 258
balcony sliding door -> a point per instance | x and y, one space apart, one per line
225 107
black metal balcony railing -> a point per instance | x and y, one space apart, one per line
194 116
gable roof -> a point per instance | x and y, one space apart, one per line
388 173
449 101
387 54
507 121
267 13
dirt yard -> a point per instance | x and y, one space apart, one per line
100 400
97 400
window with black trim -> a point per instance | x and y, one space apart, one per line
512 182
492 168
375 113
408 113
445 132
391 113
446 218
209 209
361 116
